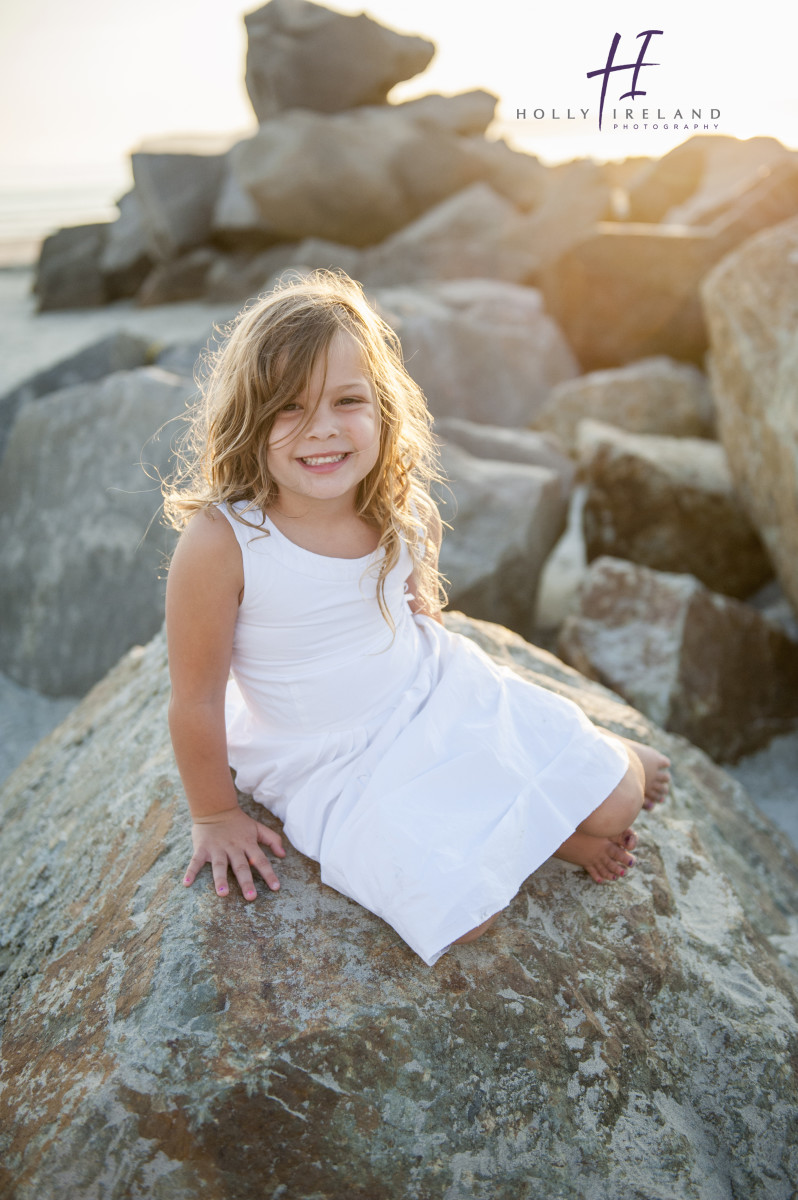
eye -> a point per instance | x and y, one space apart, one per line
353 400
291 407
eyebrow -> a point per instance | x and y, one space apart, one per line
345 387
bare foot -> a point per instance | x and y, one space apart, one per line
655 768
604 859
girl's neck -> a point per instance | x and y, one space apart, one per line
336 533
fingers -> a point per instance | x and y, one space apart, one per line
219 867
261 863
271 839
193 869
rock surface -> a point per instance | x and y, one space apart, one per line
481 349
508 445
118 352
654 395
751 302
159 1042
354 176
702 665
302 55
79 580
668 503
475 233
177 196
505 519
68 273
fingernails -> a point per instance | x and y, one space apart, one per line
250 895
275 886
187 880
222 890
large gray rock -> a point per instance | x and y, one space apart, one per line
628 1040
126 258
475 233
505 518
479 348
355 176
654 395
302 55
504 444
668 503
117 352
177 196
751 302
702 665
182 278
68 273
80 577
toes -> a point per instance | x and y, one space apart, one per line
629 839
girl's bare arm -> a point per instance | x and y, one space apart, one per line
203 592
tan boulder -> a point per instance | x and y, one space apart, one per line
653 395
751 304
702 665
668 503
630 291
161 1042
689 184
303 55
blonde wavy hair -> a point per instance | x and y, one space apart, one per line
265 362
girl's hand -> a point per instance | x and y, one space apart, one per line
231 839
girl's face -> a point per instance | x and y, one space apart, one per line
327 440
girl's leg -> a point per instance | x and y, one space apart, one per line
603 841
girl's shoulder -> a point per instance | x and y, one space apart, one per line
208 539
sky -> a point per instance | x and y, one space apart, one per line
83 84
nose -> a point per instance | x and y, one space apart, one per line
323 423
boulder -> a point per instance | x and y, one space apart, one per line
237 224
177 195
653 395
702 665
475 233
701 176
505 518
68 273
628 1040
629 291
118 352
353 177
81 543
751 303
508 445
126 258
178 279
668 503
576 197
466 113
479 348
302 55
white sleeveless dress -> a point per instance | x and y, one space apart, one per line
426 780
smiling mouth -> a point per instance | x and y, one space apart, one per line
324 460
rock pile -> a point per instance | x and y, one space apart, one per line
162 1042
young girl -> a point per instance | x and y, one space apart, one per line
426 780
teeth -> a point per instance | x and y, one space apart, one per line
323 458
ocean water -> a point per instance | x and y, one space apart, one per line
36 201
